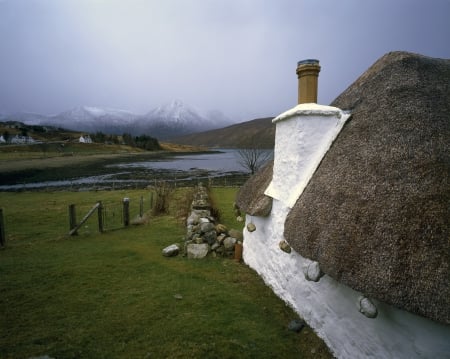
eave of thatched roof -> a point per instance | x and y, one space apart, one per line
251 198
376 213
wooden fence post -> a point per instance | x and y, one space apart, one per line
72 217
85 218
2 230
151 200
100 216
141 207
126 211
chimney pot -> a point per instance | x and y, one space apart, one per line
307 73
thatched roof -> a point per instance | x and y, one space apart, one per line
251 198
376 214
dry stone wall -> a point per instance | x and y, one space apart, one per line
204 235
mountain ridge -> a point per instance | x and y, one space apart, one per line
169 120
257 133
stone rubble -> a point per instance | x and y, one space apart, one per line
202 230
204 235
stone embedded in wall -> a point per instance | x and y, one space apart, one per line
229 243
236 234
251 227
221 228
207 226
221 237
366 307
197 251
210 237
215 246
313 272
193 219
201 199
284 246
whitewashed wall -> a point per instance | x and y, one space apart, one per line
303 135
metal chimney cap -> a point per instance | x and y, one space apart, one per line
308 62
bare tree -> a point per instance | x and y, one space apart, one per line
252 158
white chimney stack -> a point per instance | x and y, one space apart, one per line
303 135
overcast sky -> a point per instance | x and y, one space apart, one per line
236 56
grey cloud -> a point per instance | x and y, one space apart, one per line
236 56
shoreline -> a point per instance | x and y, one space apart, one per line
97 171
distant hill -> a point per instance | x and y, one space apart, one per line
46 138
37 132
170 120
255 133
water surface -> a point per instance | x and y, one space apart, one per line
131 172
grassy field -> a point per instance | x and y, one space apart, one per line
113 295
53 155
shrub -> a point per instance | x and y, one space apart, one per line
163 191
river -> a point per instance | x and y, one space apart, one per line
222 162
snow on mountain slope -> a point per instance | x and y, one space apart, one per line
94 119
28 118
176 112
168 121
87 114
177 118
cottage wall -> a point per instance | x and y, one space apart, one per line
329 307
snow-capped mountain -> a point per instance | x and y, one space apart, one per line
167 121
175 119
93 119
28 118
81 118
86 114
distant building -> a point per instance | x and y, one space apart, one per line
85 139
21 140
2 139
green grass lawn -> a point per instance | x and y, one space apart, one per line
114 295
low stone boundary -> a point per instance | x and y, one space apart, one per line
204 235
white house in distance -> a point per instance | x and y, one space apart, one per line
352 216
21 140
85 139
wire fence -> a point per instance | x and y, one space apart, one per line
108 215
103 214
235 180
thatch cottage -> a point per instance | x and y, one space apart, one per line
353 215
